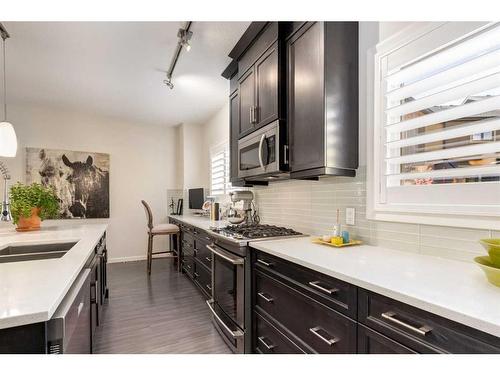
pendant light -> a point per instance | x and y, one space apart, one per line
8 139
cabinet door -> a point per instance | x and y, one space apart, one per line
246 90
371 342
234 132
306 97
266 78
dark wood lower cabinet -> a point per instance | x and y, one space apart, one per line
196 259
203 278
297 310
285 308
420 330
269 340
371 342
313 326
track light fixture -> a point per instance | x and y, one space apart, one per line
168 82
184 38
184 35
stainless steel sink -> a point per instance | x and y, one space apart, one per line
20 253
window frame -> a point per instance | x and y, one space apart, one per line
420 213
214 150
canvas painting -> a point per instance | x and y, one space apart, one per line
81 180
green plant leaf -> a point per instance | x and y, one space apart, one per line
23 198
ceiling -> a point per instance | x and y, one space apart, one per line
117 68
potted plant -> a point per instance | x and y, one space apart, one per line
30 204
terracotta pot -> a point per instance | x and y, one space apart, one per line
29 223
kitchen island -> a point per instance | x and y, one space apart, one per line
33 290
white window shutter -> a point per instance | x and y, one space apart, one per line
219 170
439 125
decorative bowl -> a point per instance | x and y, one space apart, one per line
492 245
490 270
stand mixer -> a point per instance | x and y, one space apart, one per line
248 206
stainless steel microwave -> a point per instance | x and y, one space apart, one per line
259 153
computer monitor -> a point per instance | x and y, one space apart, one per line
196 198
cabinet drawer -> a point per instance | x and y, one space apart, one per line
420 330
371 342
188 239
202 253
319 328
201 235
203 278
188 261
268 340
332 292
267 37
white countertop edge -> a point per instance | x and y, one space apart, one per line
56 303
46 314
22 320
443 311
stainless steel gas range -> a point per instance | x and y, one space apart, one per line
231 279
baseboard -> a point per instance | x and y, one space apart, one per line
133 258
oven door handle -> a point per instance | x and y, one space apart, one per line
261 143
226 256
234 334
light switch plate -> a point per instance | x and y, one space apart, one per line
349 215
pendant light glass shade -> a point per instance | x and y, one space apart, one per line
8 140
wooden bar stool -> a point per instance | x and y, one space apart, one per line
161 230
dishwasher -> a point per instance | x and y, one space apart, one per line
68 331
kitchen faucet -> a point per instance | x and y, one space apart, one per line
6 216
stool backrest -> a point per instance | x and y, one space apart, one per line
149 214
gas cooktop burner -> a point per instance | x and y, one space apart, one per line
255 231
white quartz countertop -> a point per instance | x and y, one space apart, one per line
202 222
31 291
455 290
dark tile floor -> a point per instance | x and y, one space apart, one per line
164 313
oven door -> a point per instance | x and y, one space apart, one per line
258 152
228 293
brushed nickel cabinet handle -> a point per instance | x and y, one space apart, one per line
315 284
262 339
264 263
208 287
315 332
390 316
208 259
251 115
197 274
265 298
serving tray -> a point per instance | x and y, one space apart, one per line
318 240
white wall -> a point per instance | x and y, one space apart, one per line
191 140
142 166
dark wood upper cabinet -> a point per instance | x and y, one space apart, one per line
322 72
259 69
246 91
304 74
266 87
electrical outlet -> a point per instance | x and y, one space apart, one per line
349 215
